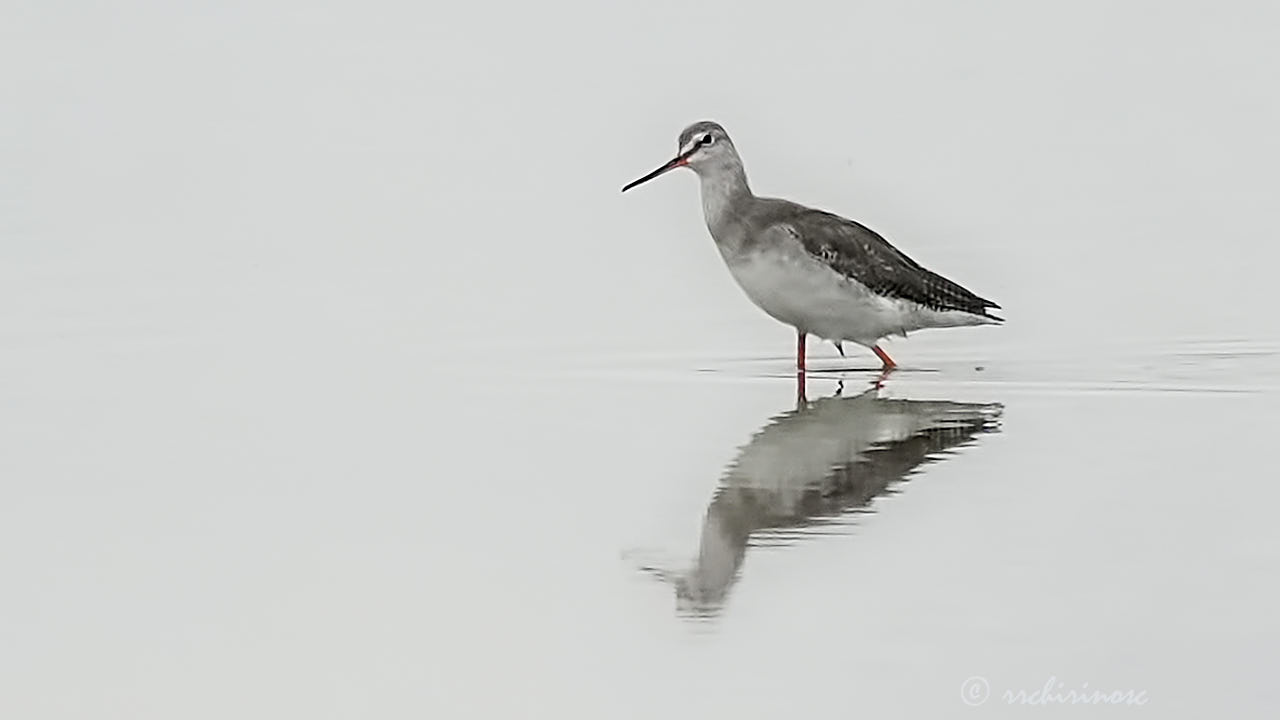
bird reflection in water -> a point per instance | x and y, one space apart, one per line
809 469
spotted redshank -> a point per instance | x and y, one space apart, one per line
818 272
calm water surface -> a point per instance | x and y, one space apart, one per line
624 539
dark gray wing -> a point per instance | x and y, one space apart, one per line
860 253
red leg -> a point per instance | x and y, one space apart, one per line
889 364
800 336
884 374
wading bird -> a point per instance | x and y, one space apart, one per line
817 272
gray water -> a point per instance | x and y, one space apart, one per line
338 379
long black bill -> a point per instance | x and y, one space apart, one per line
676 162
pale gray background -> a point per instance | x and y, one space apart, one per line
338 380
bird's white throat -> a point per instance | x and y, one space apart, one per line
723 193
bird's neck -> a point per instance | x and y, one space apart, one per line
725 197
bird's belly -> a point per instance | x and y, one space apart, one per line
811 297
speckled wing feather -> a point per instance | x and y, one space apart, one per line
860 253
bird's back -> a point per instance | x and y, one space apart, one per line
859 253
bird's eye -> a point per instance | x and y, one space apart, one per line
706 140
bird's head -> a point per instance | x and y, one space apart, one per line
703 147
